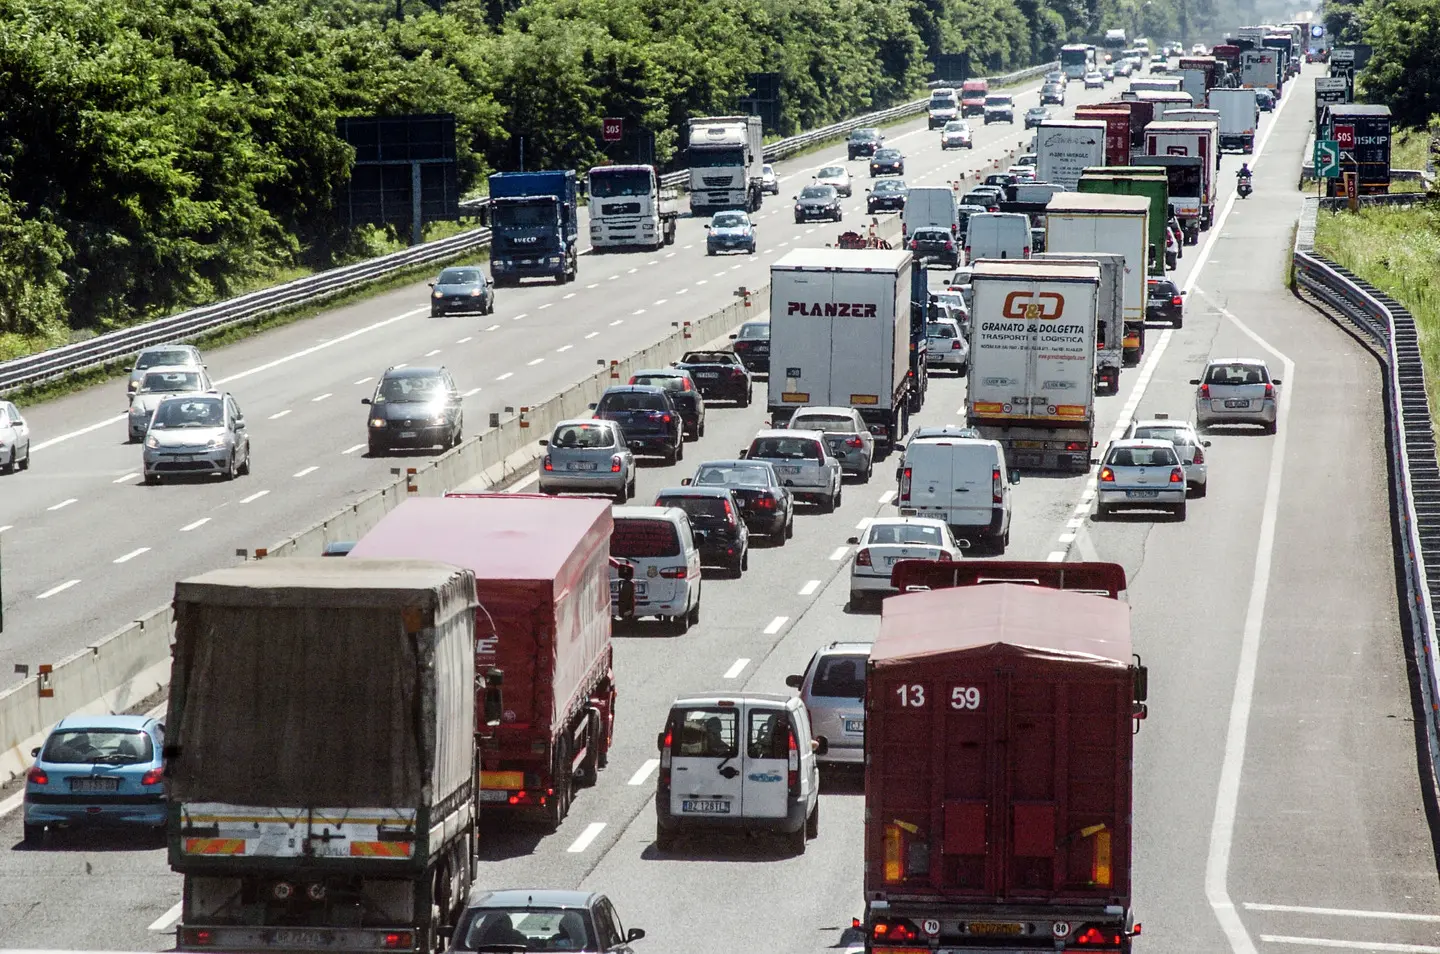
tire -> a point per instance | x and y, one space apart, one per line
796 840
869 471
680 625
700 428
680 452
812 824
630 487
1102 510
152 480
589 769
709 251
233 468
1178 323
559 806
790 527
1270 428
694 615
664 840
670 456
25 464
34 834
857 600
244 469
745 401
377 449
799 220
1180 513
1200 490
622 495
839 497
829 505
745 559
9 467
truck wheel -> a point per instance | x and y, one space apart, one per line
812 824
797 839
559 805
590 768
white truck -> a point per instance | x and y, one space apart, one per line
1193 82
1063 150
1156 84
1211 116
629 207
1109 313
840 336
930 207
1260 68
1032 361
1082 223
726 155
1239 111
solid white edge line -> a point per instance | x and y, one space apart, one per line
591 832
1342 912
169 919
643 772
736 668
1351 945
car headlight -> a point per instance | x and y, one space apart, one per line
152 442
554 260
438 294
474 293
215 443
377 422
437 420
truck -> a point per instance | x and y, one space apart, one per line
1077 59
1081 223
1109 313
1140 115
972 97
1195 115
1260 69
1030 199
1032 361
1209 65
1117 130
1165 138
1280 41
1155 84
1148 181
1229 56
1192 81
726 155
1186 177
541 597
534 225
1064 149
1364 133
1161 101
1002 701
1239 112
629 207
320 754
840 329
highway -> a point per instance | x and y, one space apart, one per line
1277 802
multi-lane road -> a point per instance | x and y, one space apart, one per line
1277 807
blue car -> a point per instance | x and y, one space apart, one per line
100 770
730 232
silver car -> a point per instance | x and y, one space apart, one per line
14 439
162 356
833 691
804 464
1236 391
946 346
837 176
1187 443
769 182
197 434
158 384
1140 475
846 435
588 456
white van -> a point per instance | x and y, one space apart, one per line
997 235
739 762
944 106
930 207
660 545
961 480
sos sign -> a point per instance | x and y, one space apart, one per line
1345 137
612 129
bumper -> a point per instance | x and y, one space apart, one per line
452 306
887 170
566 481
1206 413
195 462
721 554
144 811
947 359
793 821
755 362
651 443
717 390
1120 498
889 205
646 606
521 268
843 753
1163 314
851 462
871 583
815 215
732 245
427 436
769 523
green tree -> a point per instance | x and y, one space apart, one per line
1404 69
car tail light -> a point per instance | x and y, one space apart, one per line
997 487
1205 391
634 379
794 763
905 486
729 513
765 503
914 245
955 345
614 464
1199 457
665 418
687 387
665 757
1177 476
197 937
1107 475
949 245
546 463
944 557
863 557
1176 301
153 777
1270 390
37 776
398 940
1026 251
674 572
737 372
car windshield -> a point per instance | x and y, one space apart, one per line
670 382
1175 435
1039 111
641 537
785 448
1142 457
829 423
756 329
941 100
816 192
530 929
582 435
939 329
158 359
631 401
700 509
954 300
997 100
409 390
157 381
889 185
839 677
181 413
833 172
1236 374
97 746
865 135
905 534
955 127
887 154
731 475
461 276
728 220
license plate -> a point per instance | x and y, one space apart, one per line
183 457
1142 493
582 465
1033 445
289 938
493 795
788 470
855 725
706 807
707 374
640 586
87 785
407 433
1237 403
527 261
994 928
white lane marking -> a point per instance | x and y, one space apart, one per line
591 335
507 374
471 393
279 414
613 277
1342 912
56 589
308 470
563 348
523 314
702 281
1352 945
621 321
643 772
1055 556
637 311
351 450
887 496
840 553
253 497
361 381
669 254
776 625
432 353
546 305
493 328
736 668
465 339
193 526
131 555
632 271
535 362
1227 798
594 284
810 587
169 919
864 523
653 261
63 504
122 479
571 295
591 832
687 247
661 301
516 488
8 526
682 291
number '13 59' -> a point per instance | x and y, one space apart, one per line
912 696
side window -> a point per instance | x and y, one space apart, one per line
235 412
607 925
768 736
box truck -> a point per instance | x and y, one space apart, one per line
534 225
840 335
1117 130
1109 313
726 155
1148 181
1032 361
1239 112
1064 149
1198 140
1083 222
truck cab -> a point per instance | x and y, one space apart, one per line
629 207
533 217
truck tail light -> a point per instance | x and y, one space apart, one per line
997 487
153 777
893 930
1074 445
1205 391
614 464
793 775
674 572
37 776
398 941
1107 475
1177 476
863 557
1094 936
546 463
197 937
905 486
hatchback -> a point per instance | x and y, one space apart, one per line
846 435
647 417
1166 302
957 135
816 202
683 392
887 195
1236 391
837 176
542 919
163 356
730 232
14 439
716 512
663 552
832 689
1036 115
863 143
988 197
100 770
752 344
459 290
887 162
197 435
769 181
935 246
414 407
767 505
803 462
1187 444
589 456
1141 475
947 347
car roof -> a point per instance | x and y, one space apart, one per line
642 512
105 722
784 432
736 462
666 372
693 491
1255 361
171 369
759 321
1163 422
633 388
903 521
1140 442
587 422
530 897
168 347
823 409
710 699
846 646
413 372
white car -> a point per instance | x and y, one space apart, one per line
14 439
1094 80
1187 443
1029 159
661 547
957 135
888 540
946 346
953 305
837 176
1140 475
1022 173
769 182
157 384
803 462
1236 391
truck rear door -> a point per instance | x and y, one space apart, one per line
862 337
801 340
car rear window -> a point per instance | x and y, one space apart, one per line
769 734
932 235
582 435
708 357
1174 435
758 329
823 422
641 537
785 448
631 401
156 359
732 477
700 509
1236 374
1143 457
937 330
670 382
92 746
839 677
705 733
905 535
171 381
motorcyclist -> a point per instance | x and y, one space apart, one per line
1244 172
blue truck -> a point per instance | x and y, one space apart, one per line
534 226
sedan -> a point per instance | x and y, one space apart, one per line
837 176
986 197
1187 444
459 290
14 439
1094 80
715 512
1141 475
887 162
414 407
767 505
804 464
158 384
542 919
888 195
818 202
1124 68
863 142
648 418
588 456
1107 73
769 181
946 346
934 246
1237 391
94 771
957 135
730 232
719 375
752 346
846 435
887 541
687 397
163 356
1165 302
197 435
1036 115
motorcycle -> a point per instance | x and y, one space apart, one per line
1244 188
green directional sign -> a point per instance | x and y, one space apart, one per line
1327 159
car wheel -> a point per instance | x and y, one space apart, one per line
1270 428
812 824
9 467
34 834
1178 323
709 251
700 428
799 220
745 559
680 452
622 495
694 615
377 449
630 487
797 840
857 601
25 464
680 625
670 456
745 401
790 527
233 467
1102 510
1180 512
839 497
752 248
1199 490
244 469
152 479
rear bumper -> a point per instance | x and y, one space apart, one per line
651 443
138 811
579 482
342 940
765 522
1119 499
1206 414
794 820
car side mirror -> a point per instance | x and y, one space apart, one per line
364 400
733 337
685 482
544 442
742 455
660 741
900 447
707 226
591 406
820 745
789 483
853 541
35 752
494 697
1094 460
794 682
1194 380
634 934
1014 476
1275 381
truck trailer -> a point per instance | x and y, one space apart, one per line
1239 111
320 756
726 155
542 617
1064 149
1109 313
535 226
1186 140
1148 181
1081 223
629 207
1117 130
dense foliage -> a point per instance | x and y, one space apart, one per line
1404 68
158 153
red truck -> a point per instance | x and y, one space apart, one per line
542 576
1229 55
1209 65
1000 708
972 97
1117 130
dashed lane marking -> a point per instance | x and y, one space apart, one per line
591 832
810 587
131 555
643 772
776 624
56 589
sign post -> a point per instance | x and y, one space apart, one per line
612 129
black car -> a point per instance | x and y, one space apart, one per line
766 504
935 247
1165 302
752 346
1001 179
683 391
1052 94
414 407
715 511
863 142
466 289
888 195
647 417
987 196
542 919
887 162
720 375
1037 240
818 202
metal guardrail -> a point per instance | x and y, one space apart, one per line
111 347
1389 328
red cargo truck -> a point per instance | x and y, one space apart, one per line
542 576
1210 65
1000 710
1117 131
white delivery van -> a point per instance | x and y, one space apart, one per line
930 207
997 235
962 481
659 543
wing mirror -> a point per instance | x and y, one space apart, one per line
794 682
431 284
1094 460
686 481
1014 476
853 541
634 934
660 741
820 745
707 226
1204 443
364 400
591 406
494 697
544 442
733 337
35 752
1275 381
743 454
1194 380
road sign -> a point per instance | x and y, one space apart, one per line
1330 84
1345 136
1327 159
612 129
1342 54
